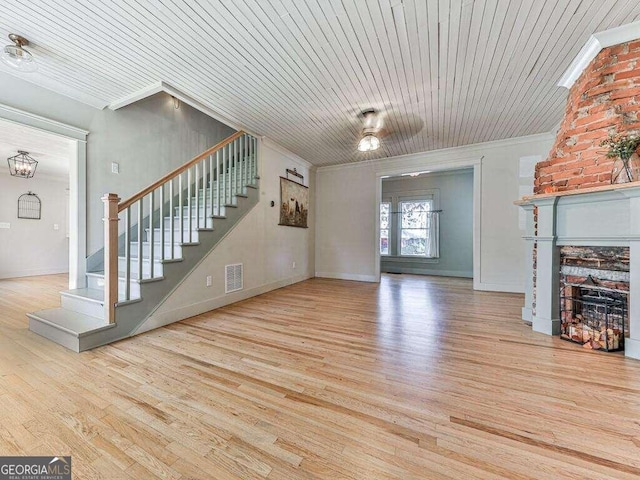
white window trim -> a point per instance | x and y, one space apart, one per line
432 195
394 226
388 200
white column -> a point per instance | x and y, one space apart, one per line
529 237
547 315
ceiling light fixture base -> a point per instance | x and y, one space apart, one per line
16 56
19 40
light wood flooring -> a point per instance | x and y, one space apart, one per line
419 377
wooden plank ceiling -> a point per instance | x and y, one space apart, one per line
443 73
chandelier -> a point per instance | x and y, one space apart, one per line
22 165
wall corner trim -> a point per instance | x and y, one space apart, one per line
162 86
595 44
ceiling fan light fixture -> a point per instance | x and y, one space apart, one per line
18 57
368 143
369 140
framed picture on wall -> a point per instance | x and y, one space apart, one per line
294 203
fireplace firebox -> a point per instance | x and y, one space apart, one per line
594 292
593 316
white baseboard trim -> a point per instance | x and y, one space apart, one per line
347 276
498 287
165 318
427 271
34 272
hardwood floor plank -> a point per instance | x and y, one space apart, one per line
417 377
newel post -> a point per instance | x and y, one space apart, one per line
111 201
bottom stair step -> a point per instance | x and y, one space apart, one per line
84 300
65 327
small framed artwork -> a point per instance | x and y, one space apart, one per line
29 206
294 204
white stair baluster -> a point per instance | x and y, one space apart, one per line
197 185
189 206
127 254
161 200
211 188
234 156
171 222
151 234
181 209
218 181
203 221
140 219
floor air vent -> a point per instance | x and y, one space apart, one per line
233 278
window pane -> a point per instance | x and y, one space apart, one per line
384 215
414 214
384 242
413 242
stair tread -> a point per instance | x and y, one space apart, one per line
93 295
88 293
71 322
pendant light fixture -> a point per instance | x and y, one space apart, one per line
16 56
369 140
22 165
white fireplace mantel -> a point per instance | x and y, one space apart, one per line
599 216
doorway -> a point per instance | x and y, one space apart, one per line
76 195
419 166
34 210
426 223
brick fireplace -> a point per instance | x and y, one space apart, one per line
604 99
604 220
575 206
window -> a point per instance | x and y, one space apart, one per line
409 226
385 223
414 227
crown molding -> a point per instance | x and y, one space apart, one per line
268 143
162 86
595 44
465 155
21 117
56 86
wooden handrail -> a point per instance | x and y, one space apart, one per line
171 175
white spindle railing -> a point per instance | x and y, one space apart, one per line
209 182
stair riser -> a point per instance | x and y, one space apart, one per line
97 283
80 305
157 249
146 267
176 235
185 210
56 335
206 222
238 188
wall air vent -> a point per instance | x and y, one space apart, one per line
233 278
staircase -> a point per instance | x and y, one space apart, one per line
153 240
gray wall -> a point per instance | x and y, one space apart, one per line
455 192
147 139
21 94
33 247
